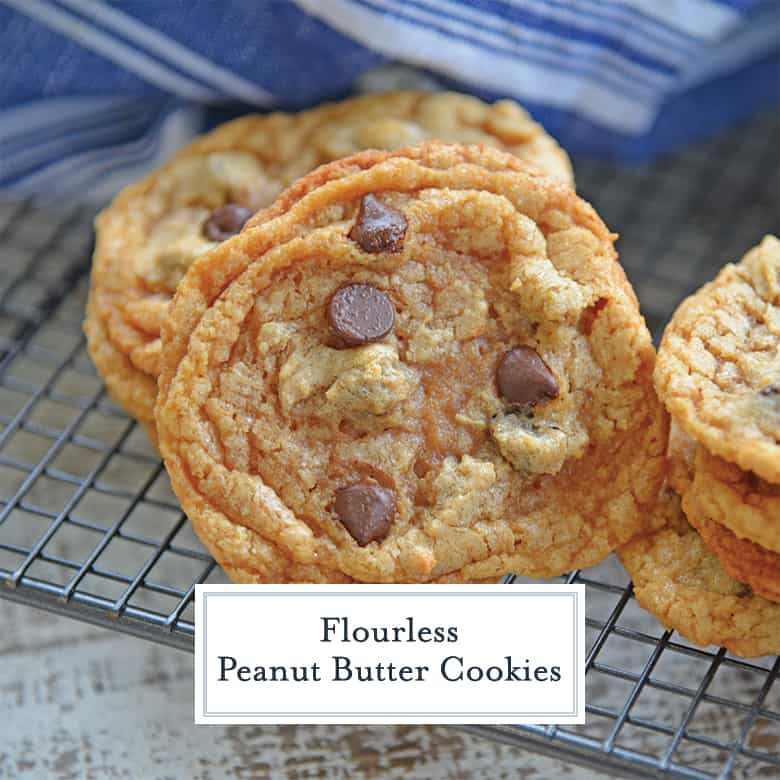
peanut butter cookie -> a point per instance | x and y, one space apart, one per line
718 369
415 366
679 581
149 235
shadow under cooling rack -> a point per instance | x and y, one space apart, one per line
89 527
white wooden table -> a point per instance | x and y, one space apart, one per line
83 702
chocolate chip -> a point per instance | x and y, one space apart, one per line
769 390
524 378
378 228
359 313
366 511
225 222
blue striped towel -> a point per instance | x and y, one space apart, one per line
93 93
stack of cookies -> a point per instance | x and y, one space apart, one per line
714 572
427 365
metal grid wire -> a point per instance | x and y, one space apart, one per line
90 528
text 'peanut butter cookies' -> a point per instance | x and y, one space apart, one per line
153 230
718 369
684 585
466 395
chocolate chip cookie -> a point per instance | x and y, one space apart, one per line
683 584
150 234
717 579
417 366
718 369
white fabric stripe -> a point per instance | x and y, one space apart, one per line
56 113
540 38
91 38
70 174
84 174
478 66
168 49
54 148
617 83
700 18
661 43
747 44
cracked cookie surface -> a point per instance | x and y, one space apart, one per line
151 233
397 454
684 585
718 368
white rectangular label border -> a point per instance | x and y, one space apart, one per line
204 717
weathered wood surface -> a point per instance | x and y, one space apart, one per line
83 702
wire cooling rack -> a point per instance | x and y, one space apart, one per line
89 527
